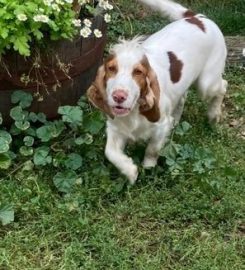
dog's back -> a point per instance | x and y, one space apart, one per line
195 46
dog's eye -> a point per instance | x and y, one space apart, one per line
112 69
137 72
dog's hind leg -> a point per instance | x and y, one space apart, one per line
213 91
211 85
179 109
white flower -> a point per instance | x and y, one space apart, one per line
85 32
107 17
105 5
102 3
22 17
47 2
77 23
109 6
41 18
56 7
83 2
59 2
69 1
87 22
97 33
243 52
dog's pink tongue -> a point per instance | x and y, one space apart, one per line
120 110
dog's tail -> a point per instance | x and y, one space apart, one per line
172 10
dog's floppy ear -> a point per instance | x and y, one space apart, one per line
96 92
149 100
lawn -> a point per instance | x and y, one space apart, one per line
187 213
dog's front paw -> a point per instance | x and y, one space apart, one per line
132 173
215 117
149 162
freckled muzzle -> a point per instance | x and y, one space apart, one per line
119 97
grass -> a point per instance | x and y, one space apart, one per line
132 18
185 221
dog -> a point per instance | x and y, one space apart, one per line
142 85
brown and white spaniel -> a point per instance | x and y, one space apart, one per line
142 85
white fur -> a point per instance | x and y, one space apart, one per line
203 55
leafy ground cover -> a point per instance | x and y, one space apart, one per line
188 213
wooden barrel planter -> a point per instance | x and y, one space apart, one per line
77 60
236 50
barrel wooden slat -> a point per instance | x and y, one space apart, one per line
236 49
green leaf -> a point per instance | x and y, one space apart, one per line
170 151
28 140
6 214
14 130
94 123
17 113
64 181
71 114
38 34
187 151
41 117
5 135
182 128
50 130
198 167
45 133
82 102
32 117
22 125
28 166
73 161
31 132
4 32
5 161
21 45
4 145
59 159
24 99
87 139
204 160
26 151
41 156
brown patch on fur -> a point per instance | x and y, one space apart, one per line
97 100
139 75
188 13
150 90
175 67
197 22
111 67
96 92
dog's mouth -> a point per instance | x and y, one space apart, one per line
120 111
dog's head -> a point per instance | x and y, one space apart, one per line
124 80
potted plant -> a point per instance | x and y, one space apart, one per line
50 48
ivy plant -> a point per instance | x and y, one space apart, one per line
33 141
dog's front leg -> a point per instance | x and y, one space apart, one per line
114 152
159 138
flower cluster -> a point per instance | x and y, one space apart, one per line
86 31
26 22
